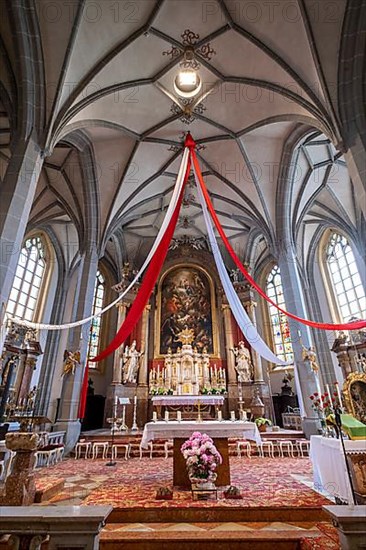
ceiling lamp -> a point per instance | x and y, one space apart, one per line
188 83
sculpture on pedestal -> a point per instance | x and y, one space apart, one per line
308 354
131 359
243 363
71 361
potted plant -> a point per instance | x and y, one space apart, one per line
262 423
202 459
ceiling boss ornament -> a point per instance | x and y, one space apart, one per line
188 83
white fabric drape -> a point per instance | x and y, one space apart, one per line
173 203
241 316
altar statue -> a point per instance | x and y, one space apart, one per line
243 363
131 358
308 354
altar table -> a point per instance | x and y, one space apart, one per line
329 466
181 431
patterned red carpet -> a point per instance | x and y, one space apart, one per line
133 483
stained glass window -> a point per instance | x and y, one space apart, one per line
346 280
279 322
28 280
94 338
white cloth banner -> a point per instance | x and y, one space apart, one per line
245 324
173 203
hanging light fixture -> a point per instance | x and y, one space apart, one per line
188 83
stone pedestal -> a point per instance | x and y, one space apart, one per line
20 489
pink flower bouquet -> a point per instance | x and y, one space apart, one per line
202 457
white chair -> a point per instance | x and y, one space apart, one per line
125 446
303 445
168 444
100 446
247 448
286 447
80 446
265 447
150 446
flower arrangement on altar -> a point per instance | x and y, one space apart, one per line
213 391
326 403
161 391
202 457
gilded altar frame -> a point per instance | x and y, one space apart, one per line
349 401
157 320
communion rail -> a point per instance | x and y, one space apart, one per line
61 526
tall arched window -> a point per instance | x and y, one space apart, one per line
279 322
94 338
346 280
28 280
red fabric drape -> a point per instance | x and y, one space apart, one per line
83 393
355 325
148 283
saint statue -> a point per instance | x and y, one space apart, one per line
308 354
131 358
243 363
71 360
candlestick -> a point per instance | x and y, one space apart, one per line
134 423
232 416
155 416
179 416
219 416
166 416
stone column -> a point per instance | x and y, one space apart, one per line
257 360
29 366
308 381
232 385
122 308
143 385
17 193
229 340
78 340
143 374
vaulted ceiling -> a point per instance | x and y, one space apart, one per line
113 128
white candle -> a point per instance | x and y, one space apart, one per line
179 416
327 390
243 415
232 416
219 416
135 400
339 395
155 416
166 417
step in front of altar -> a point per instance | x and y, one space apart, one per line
184 535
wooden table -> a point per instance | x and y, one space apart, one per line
181 431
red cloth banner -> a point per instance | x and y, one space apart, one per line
148 283
355 325
83 393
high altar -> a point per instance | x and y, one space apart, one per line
187 341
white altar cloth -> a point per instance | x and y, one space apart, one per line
187 400
329 466
174 429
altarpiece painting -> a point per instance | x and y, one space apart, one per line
186 302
